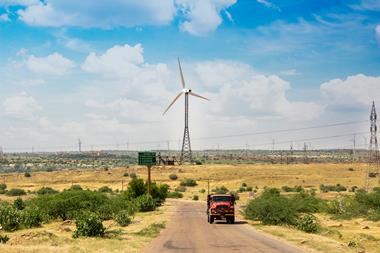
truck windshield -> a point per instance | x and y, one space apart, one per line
221 199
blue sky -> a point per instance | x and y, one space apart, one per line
105 71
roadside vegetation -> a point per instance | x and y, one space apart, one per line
298 210
87 208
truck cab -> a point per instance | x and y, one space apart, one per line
221 207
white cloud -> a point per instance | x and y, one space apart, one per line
115 61
241 91
19 2
202 16
371 5
53 64
199 16
377 33
268 4
103 14
21 106
289 72
4 17
354 92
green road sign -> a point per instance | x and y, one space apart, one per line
147 158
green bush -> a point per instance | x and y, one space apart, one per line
136 188
195 197
159 193
133 175
243 185
76 187
69 204
15 192
236 195
307 202
292 189
173 176
249 188
31 217
188 182
46 190
333 188
3 186
308 223
221 190
146 203
202 190
346 208
271 209
123 218
4 239
9 218
19 204
90 225
242 189
105 189
126 174
175 195
180 188
27 174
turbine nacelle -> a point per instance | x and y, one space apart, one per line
184 89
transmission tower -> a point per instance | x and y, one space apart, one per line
373 148
80 146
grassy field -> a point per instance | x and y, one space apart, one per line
334 238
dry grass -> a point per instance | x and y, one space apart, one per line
335 238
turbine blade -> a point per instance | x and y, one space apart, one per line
180 71
196 95
175 99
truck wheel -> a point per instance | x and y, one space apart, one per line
208 218
211 219
232 220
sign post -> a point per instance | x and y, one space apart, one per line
148 159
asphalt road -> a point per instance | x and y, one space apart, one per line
188 231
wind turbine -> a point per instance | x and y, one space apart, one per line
186 155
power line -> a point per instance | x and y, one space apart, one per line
206 138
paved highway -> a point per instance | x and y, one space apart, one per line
188 231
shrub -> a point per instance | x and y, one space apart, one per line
9 218
173 177
27 174
180 189
236 195
195 197
46 190
202 190
221 190
4 239
346 207
159 193
76 187
136 187
292 189
31 217
307 202
146 203
19 204
15 192
308 223
335 188
197 162
123 218
249 188
89 224
244 185
126 174
242 189
133 175
3 186
175 195
105 189
188 182
271 209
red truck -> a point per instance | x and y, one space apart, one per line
220 207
